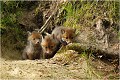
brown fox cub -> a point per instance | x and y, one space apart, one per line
64 35
33 50
50 46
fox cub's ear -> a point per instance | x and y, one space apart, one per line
29 33
53 36
43 36
62 31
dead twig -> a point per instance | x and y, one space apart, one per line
48 20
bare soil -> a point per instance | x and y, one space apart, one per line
68 65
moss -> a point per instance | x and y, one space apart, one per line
74 46
84 12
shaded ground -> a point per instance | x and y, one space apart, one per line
64 66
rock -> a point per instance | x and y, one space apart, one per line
101 36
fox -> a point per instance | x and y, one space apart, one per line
64 35
33 49
50 46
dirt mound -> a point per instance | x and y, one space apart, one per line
64 66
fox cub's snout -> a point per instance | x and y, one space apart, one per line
33 49
64 34
49 45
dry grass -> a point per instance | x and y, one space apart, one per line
10 54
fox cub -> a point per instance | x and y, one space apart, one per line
64 35
33 50
50 46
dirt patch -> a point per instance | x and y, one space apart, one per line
40 69
65 66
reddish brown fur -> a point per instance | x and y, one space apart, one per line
68 34
49 46
33 49
34 35
64 34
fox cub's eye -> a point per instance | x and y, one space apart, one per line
66 37
33 38
52 46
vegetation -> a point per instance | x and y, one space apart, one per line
11 11
80 12
76 14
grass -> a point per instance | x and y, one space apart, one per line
84 12
79 14
13 36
